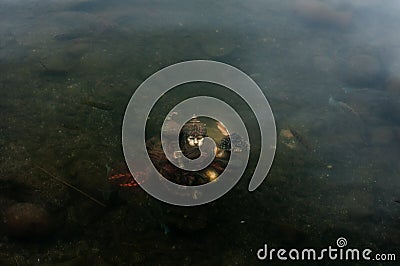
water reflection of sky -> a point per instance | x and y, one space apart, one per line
330 69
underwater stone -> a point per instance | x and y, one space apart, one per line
393 85
323 63
382 135
27 220
186 220
218 44
322 14
363 70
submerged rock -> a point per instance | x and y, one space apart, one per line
27 220
218 44
383 135
322 14
363 70
190 220
393 84
372 105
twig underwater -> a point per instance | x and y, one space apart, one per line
71 186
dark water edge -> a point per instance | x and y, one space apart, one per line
68 71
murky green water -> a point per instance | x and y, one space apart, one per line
330 70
